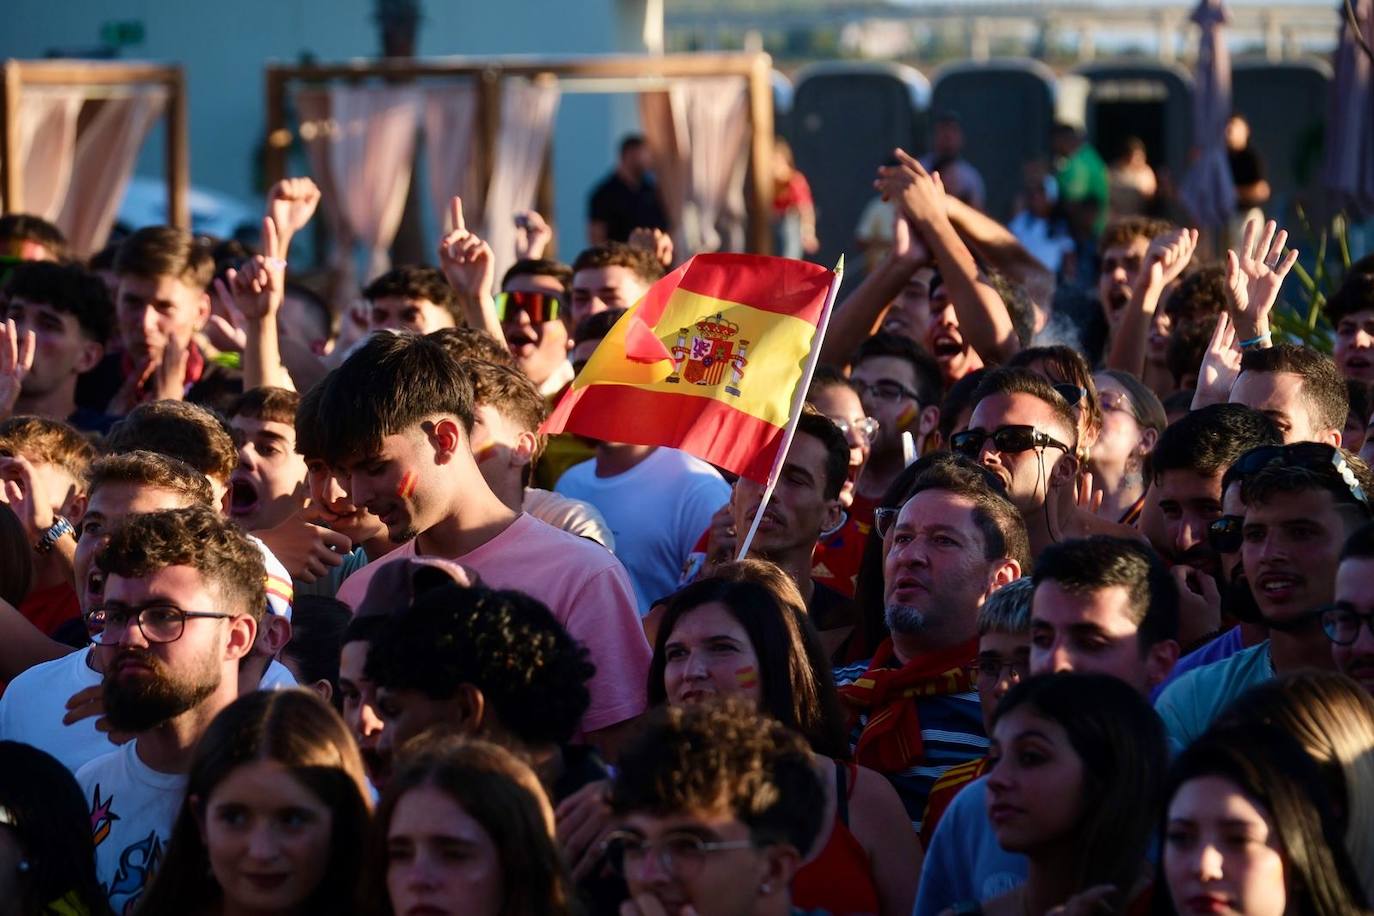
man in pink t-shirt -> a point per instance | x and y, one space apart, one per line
399 413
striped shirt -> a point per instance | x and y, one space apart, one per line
951 734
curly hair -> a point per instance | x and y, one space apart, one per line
197 537
723 757
505 643
472 343
46 441
618 254
1199 296
150 469
268 404
1123 231
177 429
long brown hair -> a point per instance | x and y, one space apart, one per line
303 733
500 792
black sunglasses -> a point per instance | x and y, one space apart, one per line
1008 439
1224 534
1311 456
1071 393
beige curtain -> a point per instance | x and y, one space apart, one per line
103 163
665 130
47 146
450 144
371 155
317 131
527 113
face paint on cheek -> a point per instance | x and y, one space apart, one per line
406 487
908 414
484 452
747 677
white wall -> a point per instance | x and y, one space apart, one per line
224 46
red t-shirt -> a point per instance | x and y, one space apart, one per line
838 556
49 608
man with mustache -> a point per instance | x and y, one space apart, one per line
1301 503
182 599
1349 622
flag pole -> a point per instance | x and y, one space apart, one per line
798 399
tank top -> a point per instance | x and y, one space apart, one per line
840 879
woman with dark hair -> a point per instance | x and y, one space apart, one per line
736 634
47 859
1077 765
1132 422
1249 830
275 802
464 828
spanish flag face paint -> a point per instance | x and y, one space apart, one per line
406 488
747 677
485 451
908 414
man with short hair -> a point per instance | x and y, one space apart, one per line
268 484
535 308
1298 388
69 313
1351 312
729 783
611 276
1023 431
1349 622
1123 244
183 430
900 386
1301 503
25 237
627 199
411 298
164 274
401 415
954 542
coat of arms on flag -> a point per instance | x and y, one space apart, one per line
712 350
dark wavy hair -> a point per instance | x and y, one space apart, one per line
794 674
303 733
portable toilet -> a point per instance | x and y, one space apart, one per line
1146 99
1286 105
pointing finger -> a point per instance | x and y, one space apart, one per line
456 213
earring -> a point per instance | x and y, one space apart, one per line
765 888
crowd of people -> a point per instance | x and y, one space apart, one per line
1063 602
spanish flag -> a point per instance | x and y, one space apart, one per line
709 361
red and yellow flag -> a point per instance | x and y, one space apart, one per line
708 362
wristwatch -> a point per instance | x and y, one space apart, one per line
60 527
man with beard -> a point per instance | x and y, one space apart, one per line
1298 388
182 599
1349 622
1188 465
1301 503
914 707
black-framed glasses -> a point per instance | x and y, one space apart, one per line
1224 533
1311 456
1006 439
866 427
158 621
1342 625
989 671
678 854
541 307
885 390
1070 392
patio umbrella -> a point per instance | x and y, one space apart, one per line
1208 190
1349 169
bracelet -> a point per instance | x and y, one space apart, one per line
60 527
1256 341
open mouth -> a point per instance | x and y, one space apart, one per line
1279 585
944 347
243 497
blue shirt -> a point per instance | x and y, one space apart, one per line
964 862
1190 703
951 734
1223 647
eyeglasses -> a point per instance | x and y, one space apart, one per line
1007 439
1115 400
885 391
541 307
678 854
867 427
1342 625
1070 393
883 519
1311 456
989 671
1224 534
157 621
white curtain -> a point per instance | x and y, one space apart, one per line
527 113
371 156
47 146
450 144
103 163
317 131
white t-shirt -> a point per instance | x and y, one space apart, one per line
32 707
572 515
133 809
657 510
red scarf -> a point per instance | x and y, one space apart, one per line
891 740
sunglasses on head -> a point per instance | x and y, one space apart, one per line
1224 534
1070 393
1310 456
541 307
1007 439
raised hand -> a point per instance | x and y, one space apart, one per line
1168 256
25 493
466 260
655 241
168 374
258 288
532 235
908 248
919 193
290 205
1255 276
1220 365
16 359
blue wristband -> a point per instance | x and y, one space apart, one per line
1256 341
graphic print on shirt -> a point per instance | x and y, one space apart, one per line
138 861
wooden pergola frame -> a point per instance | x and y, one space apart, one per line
19 74
487 72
